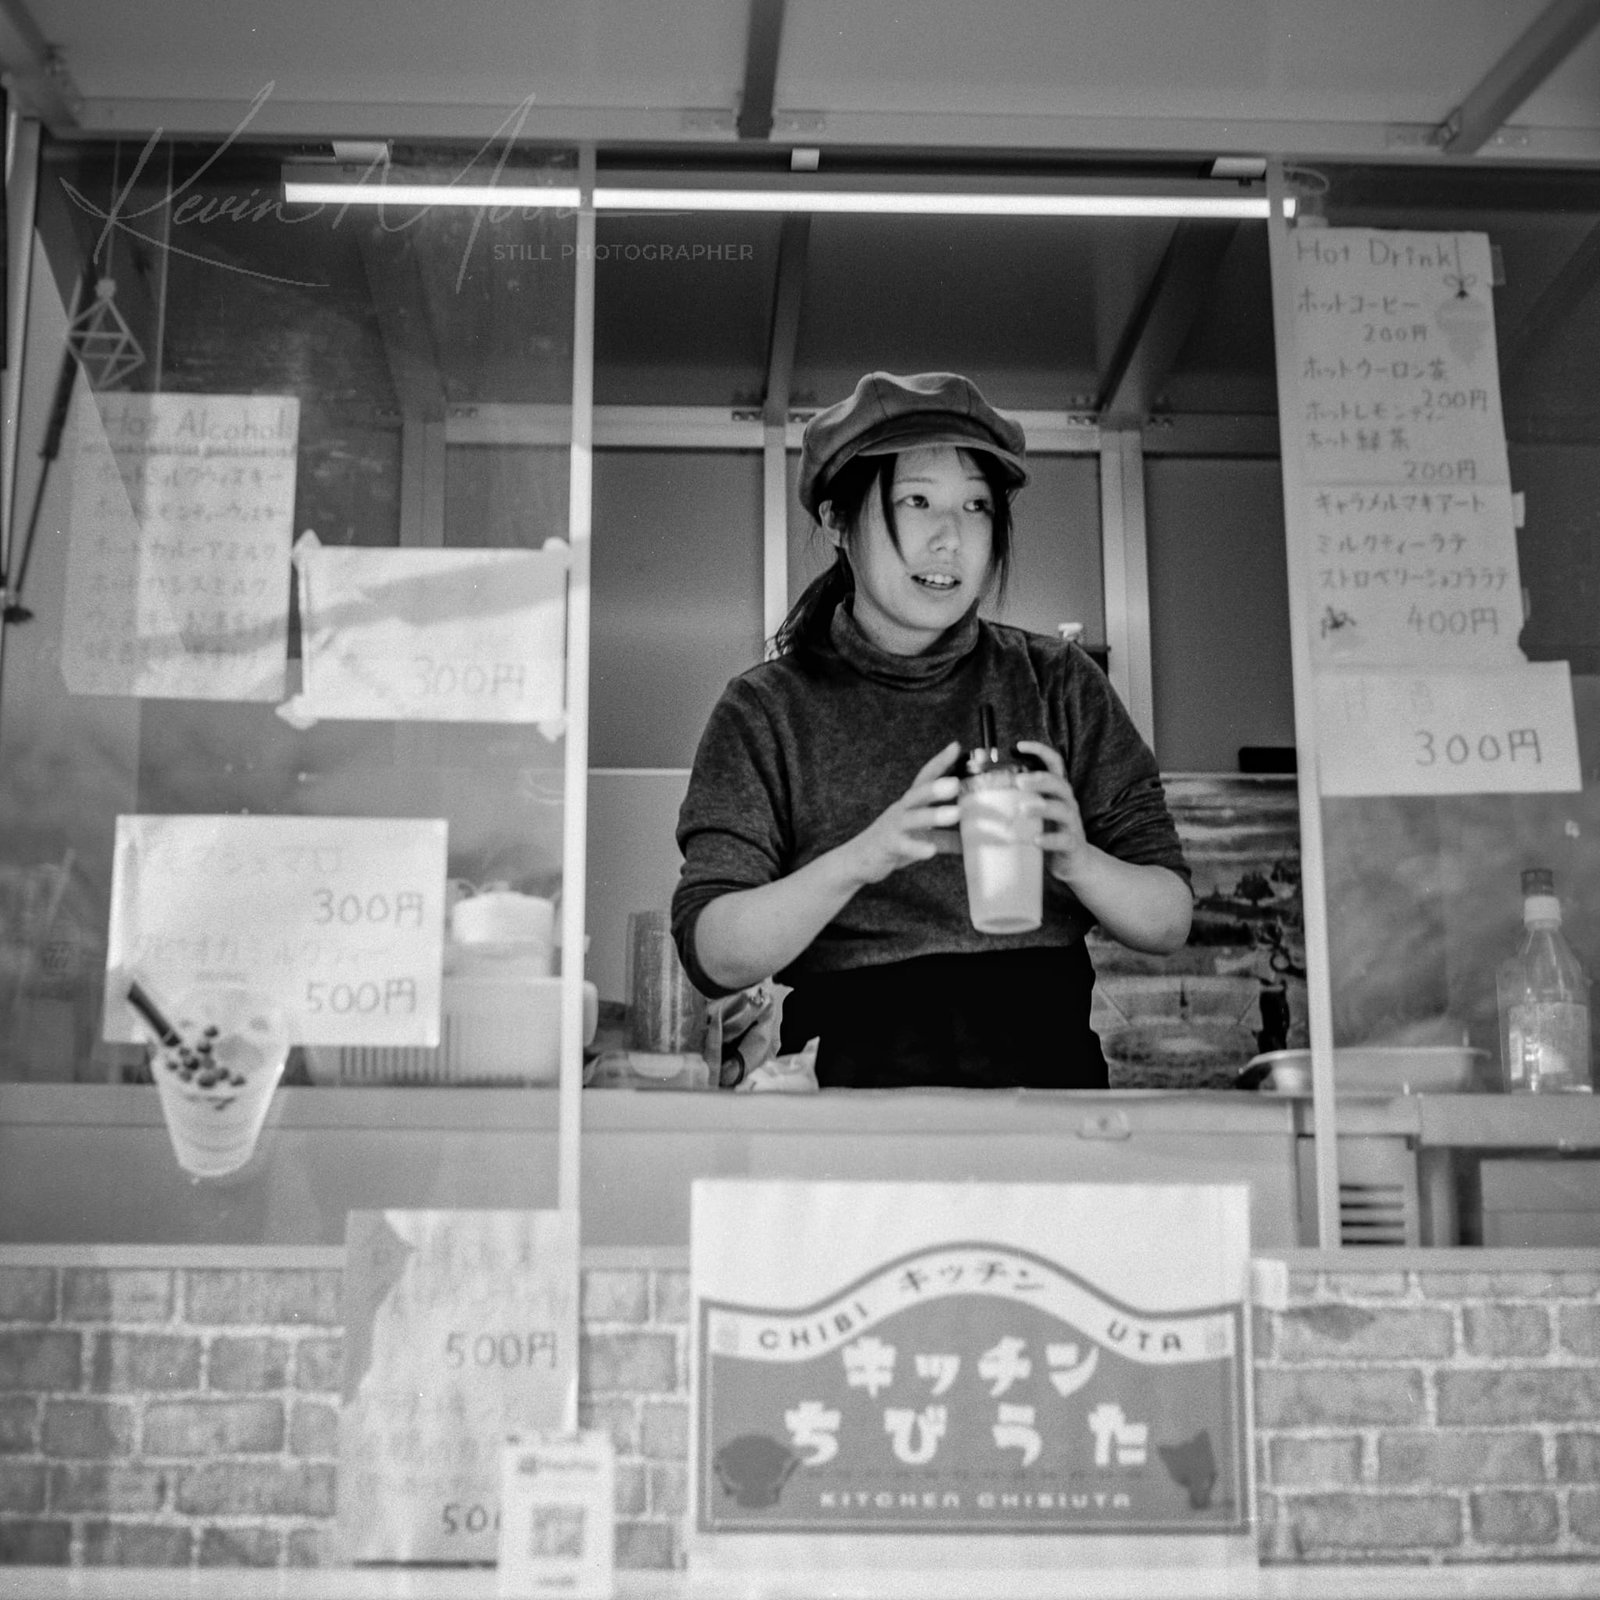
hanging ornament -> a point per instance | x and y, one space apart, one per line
1465 321
102 340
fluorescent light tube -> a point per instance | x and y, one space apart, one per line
1243 207
927 203
476 196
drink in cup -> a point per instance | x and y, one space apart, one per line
216 1069
999 840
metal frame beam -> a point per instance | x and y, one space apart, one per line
35 73
711 427
784 337
22 192
781 345
1125 562
1557 31
1158 328
1313 877
411 352
762 45
1577 277
575 755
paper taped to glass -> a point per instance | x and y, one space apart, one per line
431 635
178 535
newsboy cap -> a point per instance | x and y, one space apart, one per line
887 414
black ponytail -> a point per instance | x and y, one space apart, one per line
806 626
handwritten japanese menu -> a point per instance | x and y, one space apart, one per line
1414 575
976 1359
339 920
1394 335
434 635
461 1328
178 545
1484 731
1408 524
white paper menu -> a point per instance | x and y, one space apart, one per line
1413 596
1398 377
461 1327
182 508
338 919
431 635
1413 576
1475 732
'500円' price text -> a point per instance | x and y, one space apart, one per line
390 997
509 1350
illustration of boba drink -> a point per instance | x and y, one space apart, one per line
216 1069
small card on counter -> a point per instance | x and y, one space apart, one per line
557 1515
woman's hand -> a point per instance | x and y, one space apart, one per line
1063 841
1145 906
749 934
899 836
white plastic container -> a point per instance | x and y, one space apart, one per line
492 1029
1373 1069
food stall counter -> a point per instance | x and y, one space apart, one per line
92 1163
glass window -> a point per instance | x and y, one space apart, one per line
379 346
1425 892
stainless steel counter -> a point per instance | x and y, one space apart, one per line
91 1163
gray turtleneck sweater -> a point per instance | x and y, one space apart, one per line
800 755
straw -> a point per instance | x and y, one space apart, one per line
153 1016
35 933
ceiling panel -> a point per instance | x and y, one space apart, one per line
1356 60
565 52
1011 298
1293 75
1568 98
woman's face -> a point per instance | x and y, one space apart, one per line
944 513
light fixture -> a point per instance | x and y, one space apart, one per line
475 196
880 196
935 203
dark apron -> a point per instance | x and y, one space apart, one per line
999 1020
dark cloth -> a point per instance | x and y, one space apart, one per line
802 753
1003 1019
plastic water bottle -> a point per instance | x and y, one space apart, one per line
1544 1000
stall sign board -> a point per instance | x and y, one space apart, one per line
1398 376
178 545
460 1331
923 1360
340 920
431 635
1475 731
1413 576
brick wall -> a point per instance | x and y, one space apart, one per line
1438 1415
178 1415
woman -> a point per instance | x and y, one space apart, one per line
816 832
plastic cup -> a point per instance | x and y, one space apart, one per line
1000 849
215 1101
666 1013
